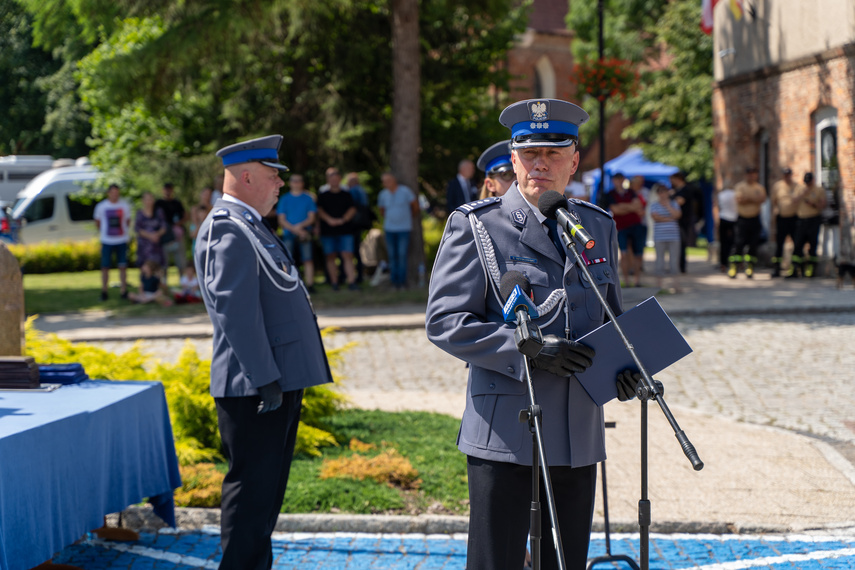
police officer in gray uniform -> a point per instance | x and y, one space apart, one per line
267 348
482 241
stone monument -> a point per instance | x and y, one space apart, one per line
11 304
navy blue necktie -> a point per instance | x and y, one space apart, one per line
555 237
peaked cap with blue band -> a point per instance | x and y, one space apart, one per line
543 122
264 150
496 159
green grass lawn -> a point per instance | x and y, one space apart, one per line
72 292
427 440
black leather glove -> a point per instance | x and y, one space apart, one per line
271 397
562 357
627 385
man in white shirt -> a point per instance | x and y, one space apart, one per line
113 220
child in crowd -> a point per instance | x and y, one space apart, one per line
666 233
152 287
189 292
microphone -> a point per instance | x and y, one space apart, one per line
515 288
554 206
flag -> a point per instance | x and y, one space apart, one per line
707 18
707 13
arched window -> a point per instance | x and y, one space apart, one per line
825 142
544 79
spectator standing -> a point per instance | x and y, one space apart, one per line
362 222
296 212
665 213
336 211
150 227
688 196
173 240
784 208
199 212
495 162
811 201
113 219
830 228
727 217
750 196
399 207
627 207
461 188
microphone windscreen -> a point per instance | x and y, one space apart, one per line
510 280
550 201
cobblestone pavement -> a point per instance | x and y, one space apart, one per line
344 551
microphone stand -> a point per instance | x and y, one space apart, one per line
528 341
645 391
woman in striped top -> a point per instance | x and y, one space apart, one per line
666 234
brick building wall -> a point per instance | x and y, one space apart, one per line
781 104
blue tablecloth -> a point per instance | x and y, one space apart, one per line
71 456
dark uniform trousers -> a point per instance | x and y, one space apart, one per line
784 226
500 501
807 234
748 232
259 448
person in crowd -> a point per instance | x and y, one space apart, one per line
113 221
399 209
577 189
150 227
481 243
829 231
811 201
362 222
665 213
784 206
296 212
173 240
188 291
628 207
495 163
689 198
726 216
461 189
750 196
267 349
336 211
845 250
199 212
152 287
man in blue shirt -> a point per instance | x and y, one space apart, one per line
296 212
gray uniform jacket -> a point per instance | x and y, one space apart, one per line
261 333
464 318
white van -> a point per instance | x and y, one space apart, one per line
17 171
51 207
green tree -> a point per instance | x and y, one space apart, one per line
671 112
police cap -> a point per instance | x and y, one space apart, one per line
543 122
264 150
496 159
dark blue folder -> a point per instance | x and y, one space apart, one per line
656 340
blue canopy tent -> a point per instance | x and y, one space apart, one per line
632 163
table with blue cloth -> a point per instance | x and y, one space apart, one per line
71 456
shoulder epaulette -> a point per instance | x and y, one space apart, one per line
478 204
221 213
579 202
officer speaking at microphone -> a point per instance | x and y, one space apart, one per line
267 348
483 241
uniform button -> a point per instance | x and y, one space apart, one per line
599 277
249 376
276 339
572 306
568 281
492 386
511 370
607 274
